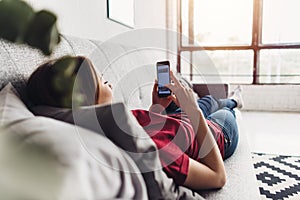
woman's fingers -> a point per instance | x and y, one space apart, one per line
175 85
176 82
175 100
155 85
171 87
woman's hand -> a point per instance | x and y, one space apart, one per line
158 103
184 97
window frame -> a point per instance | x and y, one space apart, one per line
256 44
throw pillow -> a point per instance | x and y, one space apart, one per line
43 158
12 108
56 160
115 121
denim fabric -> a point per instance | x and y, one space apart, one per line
221 112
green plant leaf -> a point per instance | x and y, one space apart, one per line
42 32
15 15
64 74
65 65
64 81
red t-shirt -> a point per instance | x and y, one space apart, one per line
174 136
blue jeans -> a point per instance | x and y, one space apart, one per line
221 112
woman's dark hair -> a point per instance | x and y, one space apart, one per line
48 84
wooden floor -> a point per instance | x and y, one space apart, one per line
272 132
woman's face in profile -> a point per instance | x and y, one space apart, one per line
105 91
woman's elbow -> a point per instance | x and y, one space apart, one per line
221 181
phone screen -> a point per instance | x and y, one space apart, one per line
163 78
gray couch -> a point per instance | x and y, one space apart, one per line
120 63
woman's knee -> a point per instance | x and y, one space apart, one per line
225 118
229 110
222 115
208 105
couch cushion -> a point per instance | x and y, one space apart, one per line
18 61
115 121
43 158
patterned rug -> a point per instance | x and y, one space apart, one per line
278 176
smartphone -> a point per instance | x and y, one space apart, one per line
163 78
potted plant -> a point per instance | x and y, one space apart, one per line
22 25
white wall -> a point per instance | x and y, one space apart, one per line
87 18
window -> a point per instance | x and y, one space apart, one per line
249 41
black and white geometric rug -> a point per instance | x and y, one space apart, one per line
278 176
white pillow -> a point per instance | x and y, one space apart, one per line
12 108
43 158
56 160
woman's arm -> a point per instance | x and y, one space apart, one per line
210 173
